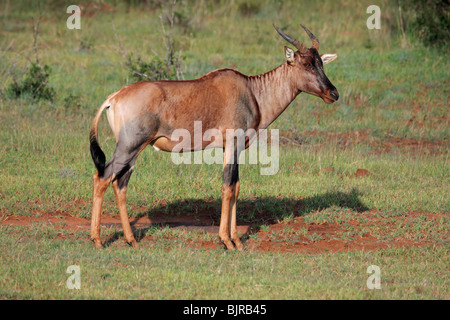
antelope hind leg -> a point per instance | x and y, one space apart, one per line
120 190
99 187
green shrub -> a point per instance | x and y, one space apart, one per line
249 8
155 69
34 83
432 21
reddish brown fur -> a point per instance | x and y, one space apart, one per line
148 112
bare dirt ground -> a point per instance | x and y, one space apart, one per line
295 235
387 145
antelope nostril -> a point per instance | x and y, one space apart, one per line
334 94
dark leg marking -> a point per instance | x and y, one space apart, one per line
230 174
231 170
125 177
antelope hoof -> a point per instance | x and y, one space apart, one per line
97 242
228 244
133 243
238 244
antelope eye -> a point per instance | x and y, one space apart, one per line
309 65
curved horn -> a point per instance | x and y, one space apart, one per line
300 46
315 41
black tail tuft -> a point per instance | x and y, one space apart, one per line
97 155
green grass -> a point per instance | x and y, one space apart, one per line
391 119
396 181
34 266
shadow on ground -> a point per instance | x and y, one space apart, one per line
254 212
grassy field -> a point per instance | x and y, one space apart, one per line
369 172
35 268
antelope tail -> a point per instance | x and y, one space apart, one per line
96 152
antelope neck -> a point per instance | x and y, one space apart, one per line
274 91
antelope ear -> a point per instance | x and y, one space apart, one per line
289 53
328 57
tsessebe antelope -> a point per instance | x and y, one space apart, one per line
148 112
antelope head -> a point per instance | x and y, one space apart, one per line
308 64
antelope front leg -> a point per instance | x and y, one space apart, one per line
230 177
234 233
224 232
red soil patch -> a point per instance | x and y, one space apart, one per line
361 173
423 146
92 9
363 137
295 235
